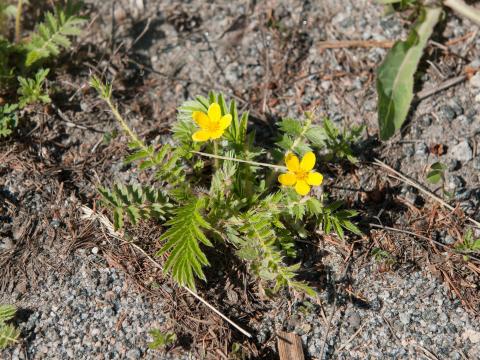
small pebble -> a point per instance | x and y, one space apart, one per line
461 152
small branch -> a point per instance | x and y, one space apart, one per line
341 44
18 22
443 86
277 167
422 189
401 231
90 214
463 9
329 323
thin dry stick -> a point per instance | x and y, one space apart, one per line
90 214
351 337
18 22
463 9
443 86
422 189
421 237
341 44
329 324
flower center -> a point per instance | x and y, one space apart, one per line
214 126
301 175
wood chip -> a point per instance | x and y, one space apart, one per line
289 346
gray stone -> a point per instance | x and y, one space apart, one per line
447 112
134 354
449 240
461 152
475 80
454 182
476 163
409 150
354 320
453 165
421 149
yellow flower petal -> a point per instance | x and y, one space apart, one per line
292 162
201 119
201 135
314 178
216 134
287 179
308 161
225 121
302 188
214 112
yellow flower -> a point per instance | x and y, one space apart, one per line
212 125
300 173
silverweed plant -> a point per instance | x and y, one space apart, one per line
22 78
215 185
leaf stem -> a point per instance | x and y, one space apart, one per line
18 23
277 167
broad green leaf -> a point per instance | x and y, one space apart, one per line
436 172
396 74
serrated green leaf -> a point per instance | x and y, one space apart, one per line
118 218
141 154
8 335
134 214
7 312
395 77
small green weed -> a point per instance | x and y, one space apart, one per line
21 58
469 244
161 339
8 333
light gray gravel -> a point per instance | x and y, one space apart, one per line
90 312
406 315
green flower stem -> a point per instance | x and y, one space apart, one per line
18 24
277 167
124 125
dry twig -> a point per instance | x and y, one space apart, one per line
416 185
90 214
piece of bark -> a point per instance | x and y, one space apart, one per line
289 346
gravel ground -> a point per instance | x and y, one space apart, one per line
88 311
405 315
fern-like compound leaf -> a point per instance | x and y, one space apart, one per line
7 312
183 238
53 34
8 333
136 202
